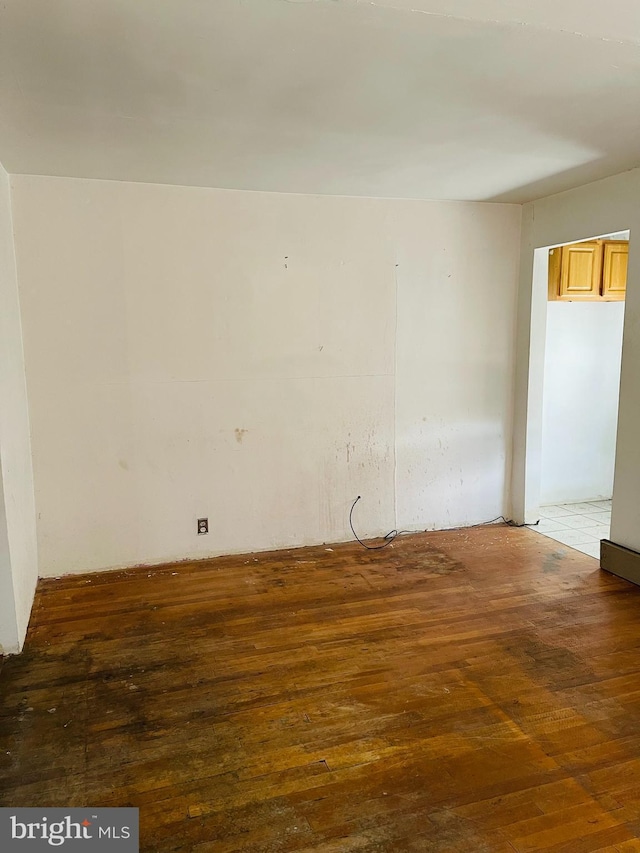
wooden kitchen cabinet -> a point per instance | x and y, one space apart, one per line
581 271
614 269
592 271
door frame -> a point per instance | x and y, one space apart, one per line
526 481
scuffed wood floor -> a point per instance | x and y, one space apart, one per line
460 691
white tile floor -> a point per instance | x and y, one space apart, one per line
580 525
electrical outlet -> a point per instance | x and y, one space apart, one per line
203 526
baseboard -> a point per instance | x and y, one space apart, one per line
620 561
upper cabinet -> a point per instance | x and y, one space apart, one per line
614 269
593 271
581 271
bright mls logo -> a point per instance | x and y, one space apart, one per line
80 830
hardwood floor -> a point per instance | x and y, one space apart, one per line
473 690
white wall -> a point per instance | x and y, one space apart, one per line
9 639
196 352
580 402
600 208
455 362
18 555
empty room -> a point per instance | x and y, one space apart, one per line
319 418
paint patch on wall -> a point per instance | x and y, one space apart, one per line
240 434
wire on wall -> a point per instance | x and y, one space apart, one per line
393 534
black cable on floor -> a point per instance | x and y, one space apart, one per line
393 534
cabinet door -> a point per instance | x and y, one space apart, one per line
581 271
614 273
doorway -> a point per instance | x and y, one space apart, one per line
578 404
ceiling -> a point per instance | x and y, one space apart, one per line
503 100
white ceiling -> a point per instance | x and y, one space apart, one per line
456 99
